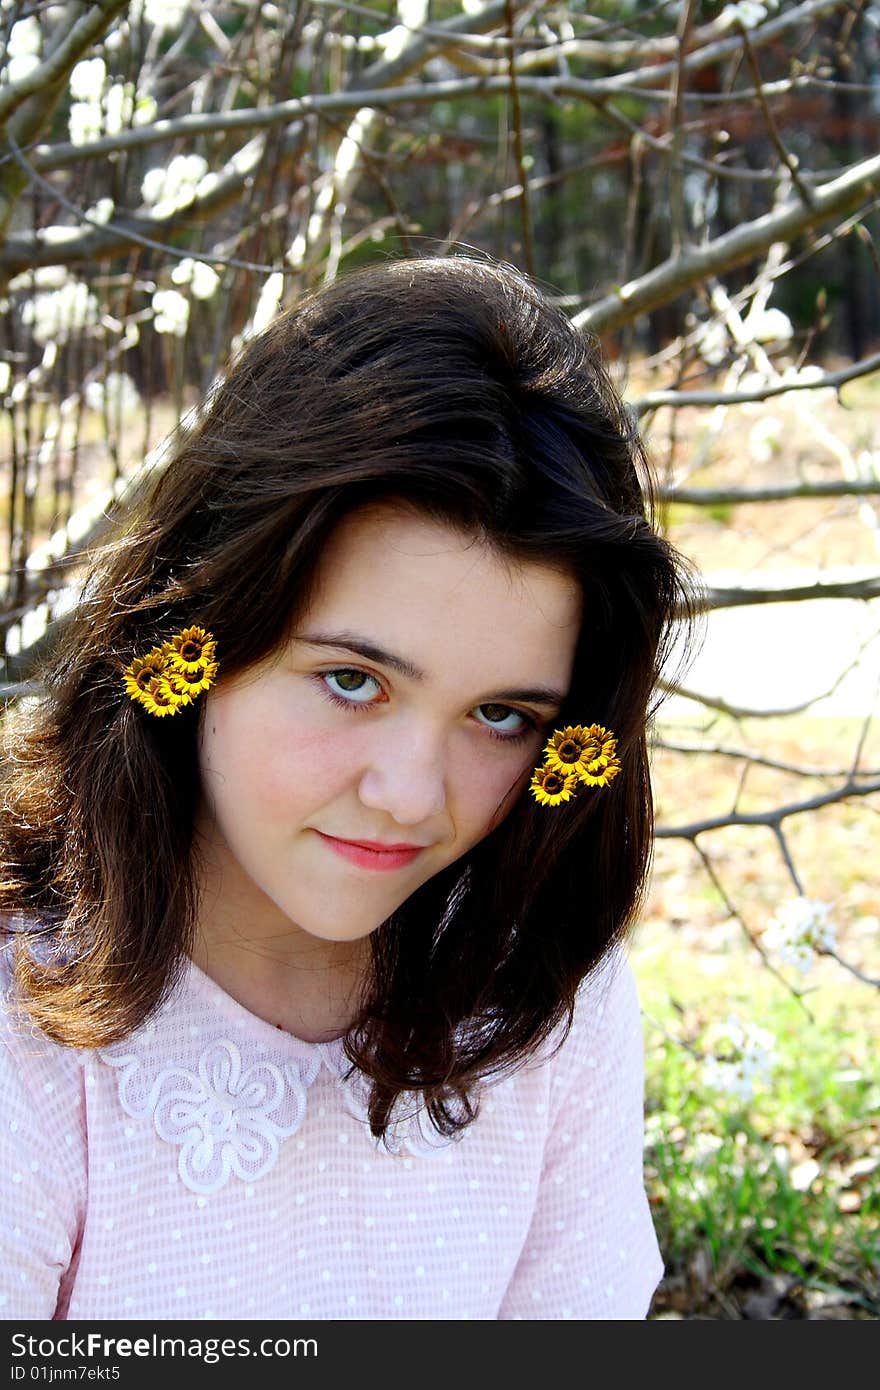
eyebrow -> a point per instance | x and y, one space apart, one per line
353 642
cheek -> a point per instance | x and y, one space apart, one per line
487 792
255 754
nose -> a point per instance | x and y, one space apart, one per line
406 777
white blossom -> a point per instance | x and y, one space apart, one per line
172 312
16 69
116 110
745 1058
122 108
54 315
747 12
101 211
202 279
5 377
169 188
767 326
713 343
24 38
801 928
22 50
268 302
87 79
85 122
57 232
412 14
117 34
42 277
118 391
765 437
162 14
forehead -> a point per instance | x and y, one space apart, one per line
443 598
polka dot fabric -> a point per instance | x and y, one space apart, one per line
212 1166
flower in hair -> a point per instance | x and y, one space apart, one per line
191 648
145 669
171 676
588 752
159 698
188 684
576 754
550 786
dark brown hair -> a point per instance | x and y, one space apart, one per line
450 384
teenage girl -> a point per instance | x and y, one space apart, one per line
322 846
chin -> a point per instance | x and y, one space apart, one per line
351 929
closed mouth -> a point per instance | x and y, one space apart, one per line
376 846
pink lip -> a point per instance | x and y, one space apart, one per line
368 857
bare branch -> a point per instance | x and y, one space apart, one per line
781 492
788 159
754 940
771 819
717 702
748 755
666 281
865 979
863 734
868 587
806 382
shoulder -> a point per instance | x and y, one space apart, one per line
606 1005
43 1137
43 1157
32 1064
604 1048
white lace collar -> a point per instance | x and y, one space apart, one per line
227 1088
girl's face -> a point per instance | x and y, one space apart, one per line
410 708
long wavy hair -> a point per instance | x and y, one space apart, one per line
453 385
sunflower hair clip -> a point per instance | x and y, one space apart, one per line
578 755
172 676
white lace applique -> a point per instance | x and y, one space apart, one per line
226 1118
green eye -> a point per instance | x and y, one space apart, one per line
349 682
343 677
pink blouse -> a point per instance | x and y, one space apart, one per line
212 1166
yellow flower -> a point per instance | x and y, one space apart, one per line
170 677
551 786
188 684
570 749
191 648
160 699
604 776
145 669
600 753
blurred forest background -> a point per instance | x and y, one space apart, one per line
698 184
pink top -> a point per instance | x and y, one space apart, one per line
212 1166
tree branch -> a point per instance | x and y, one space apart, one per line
867 588
771 819
655 399
782 492
665 282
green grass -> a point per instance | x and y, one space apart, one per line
785 1183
